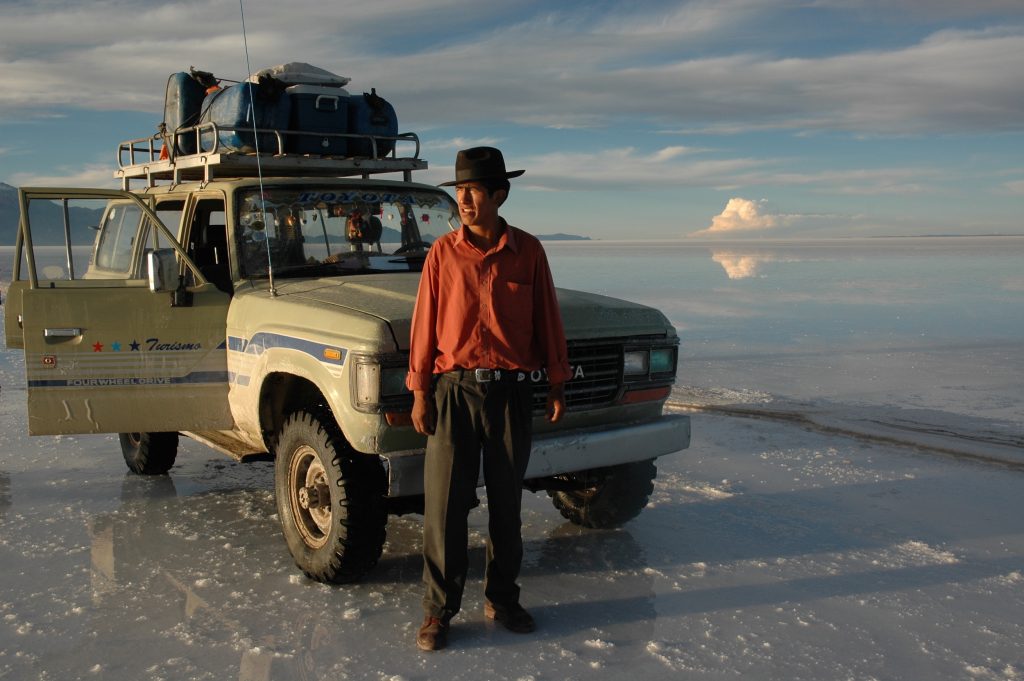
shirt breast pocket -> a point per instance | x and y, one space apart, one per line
515 301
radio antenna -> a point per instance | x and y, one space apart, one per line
256 142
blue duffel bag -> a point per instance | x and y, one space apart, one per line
371 114
183 103
240 108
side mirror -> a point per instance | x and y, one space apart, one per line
162 266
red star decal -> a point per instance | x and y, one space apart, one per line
97 347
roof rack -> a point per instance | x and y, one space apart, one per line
156 158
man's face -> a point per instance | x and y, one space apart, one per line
476 205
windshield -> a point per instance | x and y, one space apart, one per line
322 230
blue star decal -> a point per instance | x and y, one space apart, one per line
116 346
135 345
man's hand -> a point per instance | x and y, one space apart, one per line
555 407
424 413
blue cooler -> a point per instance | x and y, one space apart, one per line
317 108
371 114
182 106
230 108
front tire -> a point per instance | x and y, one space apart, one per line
606 497
330 500
149 453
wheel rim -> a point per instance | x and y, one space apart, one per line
307 471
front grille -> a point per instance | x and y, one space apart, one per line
597 373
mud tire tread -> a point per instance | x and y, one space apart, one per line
149 453
359 521
614 495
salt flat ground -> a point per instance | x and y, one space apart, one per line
768 551
867 523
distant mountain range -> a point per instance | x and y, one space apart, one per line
47 219
562 237
8 214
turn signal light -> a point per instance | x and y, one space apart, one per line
649 395
398 418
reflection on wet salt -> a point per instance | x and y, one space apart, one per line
741 265
207 578
5 492
160 566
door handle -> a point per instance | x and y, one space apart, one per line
67 332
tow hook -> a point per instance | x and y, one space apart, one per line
315 496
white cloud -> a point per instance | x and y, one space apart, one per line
742 216
1015 187
566 68
669 153
626 168
457 143
92 175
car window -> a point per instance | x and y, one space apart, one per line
64 236
115 244
169 213
305 227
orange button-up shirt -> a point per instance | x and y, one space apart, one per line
486 310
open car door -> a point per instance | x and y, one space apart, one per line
103 352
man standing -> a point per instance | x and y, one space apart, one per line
486 316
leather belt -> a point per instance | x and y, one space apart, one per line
490 375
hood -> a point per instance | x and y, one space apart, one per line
391 297
589 315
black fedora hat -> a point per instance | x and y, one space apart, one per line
480 163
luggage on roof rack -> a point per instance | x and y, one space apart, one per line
317 109
240 109
139 159
300 73
290 120
183 102
371 114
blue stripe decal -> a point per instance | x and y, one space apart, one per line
197 377
262 342
239 379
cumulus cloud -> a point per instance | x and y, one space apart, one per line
742 216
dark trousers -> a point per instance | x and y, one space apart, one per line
476 422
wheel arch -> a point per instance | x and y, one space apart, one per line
282 394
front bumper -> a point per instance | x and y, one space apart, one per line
564 452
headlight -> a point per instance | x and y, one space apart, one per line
636 363
663 360
376 383
649 364
392 381
367 384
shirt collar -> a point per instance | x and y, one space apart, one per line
508 237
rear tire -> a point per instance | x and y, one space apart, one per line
149 453
330 500
607 497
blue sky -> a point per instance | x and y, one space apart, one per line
634 120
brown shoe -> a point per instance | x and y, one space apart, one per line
433 634
514 617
